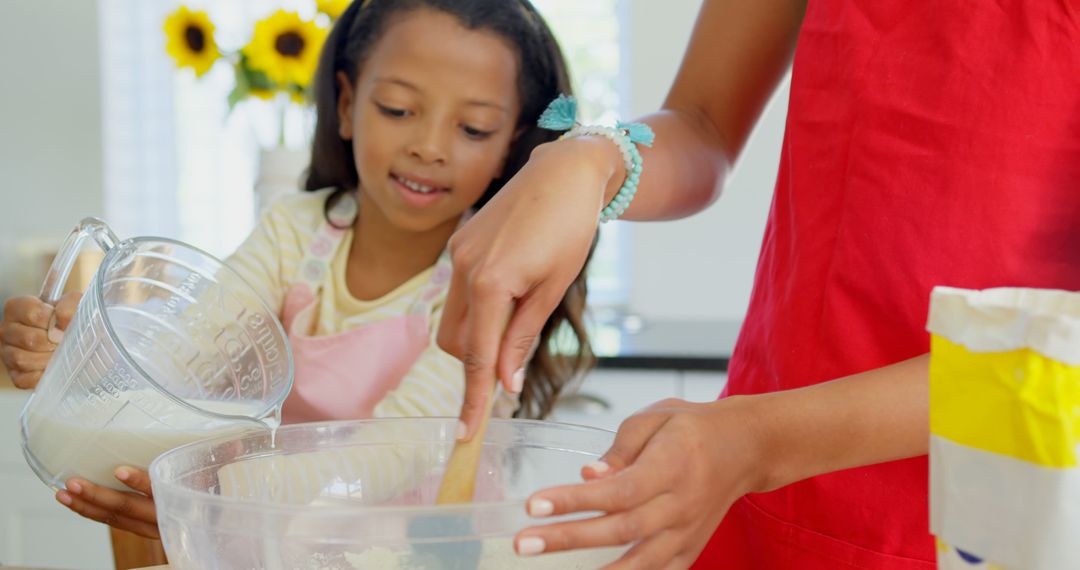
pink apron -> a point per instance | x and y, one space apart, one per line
344 375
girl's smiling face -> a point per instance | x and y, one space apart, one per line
431 118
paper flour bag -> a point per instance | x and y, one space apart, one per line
1004 428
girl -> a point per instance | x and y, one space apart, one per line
927 143
425 108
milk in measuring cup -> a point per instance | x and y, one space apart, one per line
138 425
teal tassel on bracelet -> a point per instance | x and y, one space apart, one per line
560 115
639 133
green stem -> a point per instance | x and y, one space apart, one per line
283 104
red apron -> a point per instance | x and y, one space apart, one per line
927 143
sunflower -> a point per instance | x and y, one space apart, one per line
191 40
332 8
264 94
286 48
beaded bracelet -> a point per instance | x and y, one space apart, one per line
561 116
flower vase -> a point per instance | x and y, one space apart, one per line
280 172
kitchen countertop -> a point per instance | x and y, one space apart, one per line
665 344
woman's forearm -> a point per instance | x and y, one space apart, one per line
738 52
867 418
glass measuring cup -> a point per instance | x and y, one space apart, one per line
168 345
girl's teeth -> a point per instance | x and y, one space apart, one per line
416 187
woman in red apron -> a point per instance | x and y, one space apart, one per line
927 143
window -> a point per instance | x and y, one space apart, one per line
179 164
588 32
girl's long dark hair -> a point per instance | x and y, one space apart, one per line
563 353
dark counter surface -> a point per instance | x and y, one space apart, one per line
665 344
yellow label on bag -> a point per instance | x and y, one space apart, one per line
1017 403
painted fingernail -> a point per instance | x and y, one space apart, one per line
530 545
541 507
74 487
599 467
63 498
461 430
518 381
123 474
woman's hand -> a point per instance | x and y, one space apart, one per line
29 333
515 259
664 486
676 468
130 511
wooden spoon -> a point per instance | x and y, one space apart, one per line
457 487
459 480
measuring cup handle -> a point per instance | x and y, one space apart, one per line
92 228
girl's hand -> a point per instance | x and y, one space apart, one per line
133 512
664 486
29 333
515 259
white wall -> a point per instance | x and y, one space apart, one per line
700 267
50 126
51 158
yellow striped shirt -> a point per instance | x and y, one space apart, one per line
270 259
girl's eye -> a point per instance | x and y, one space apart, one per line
475 133
392 112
